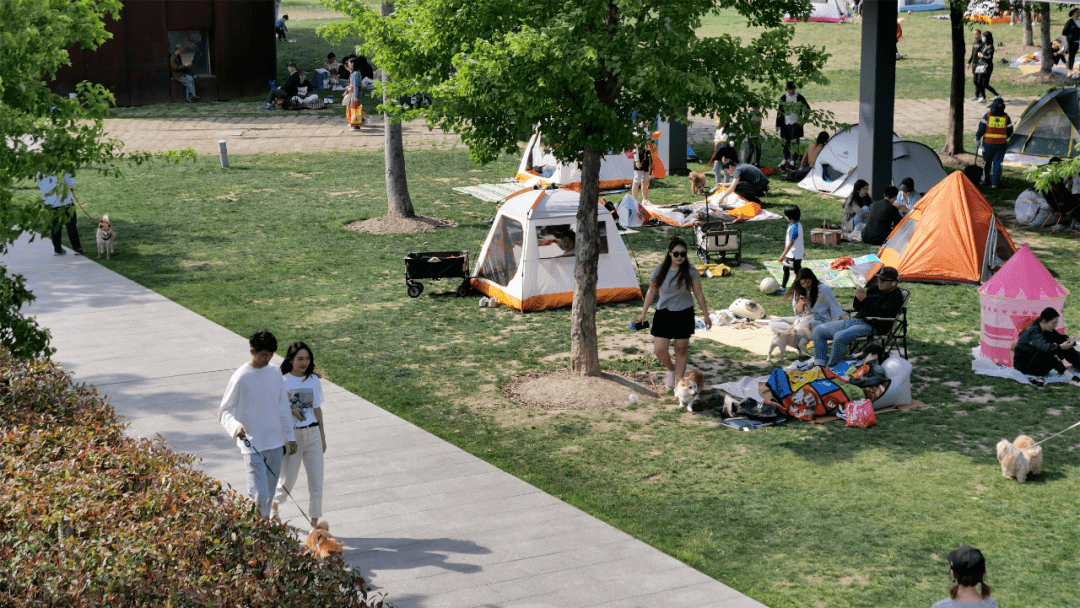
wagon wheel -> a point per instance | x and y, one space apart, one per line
415 289
463 289
703 254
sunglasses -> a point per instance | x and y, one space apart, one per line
678 254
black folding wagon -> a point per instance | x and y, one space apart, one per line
436 265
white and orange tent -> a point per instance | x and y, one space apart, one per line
1013 299
539 166
527 261
951 236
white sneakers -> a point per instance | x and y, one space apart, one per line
803 366
489 303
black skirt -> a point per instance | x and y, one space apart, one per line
673 324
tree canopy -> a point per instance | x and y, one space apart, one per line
45 134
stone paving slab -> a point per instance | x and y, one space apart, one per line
429 524
281 132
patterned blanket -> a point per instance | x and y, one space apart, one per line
819 391
855 276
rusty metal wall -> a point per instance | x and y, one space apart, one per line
134 64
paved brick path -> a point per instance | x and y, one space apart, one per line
287 132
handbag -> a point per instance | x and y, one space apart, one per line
860 413
980 69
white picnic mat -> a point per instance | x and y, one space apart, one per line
984 366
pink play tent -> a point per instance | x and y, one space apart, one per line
1012 298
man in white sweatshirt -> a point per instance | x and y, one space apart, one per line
255 408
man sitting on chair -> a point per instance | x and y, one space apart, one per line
881 300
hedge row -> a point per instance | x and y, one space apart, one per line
90 517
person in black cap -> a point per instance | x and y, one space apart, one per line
967 568
286 91
906 199
883 300
788 121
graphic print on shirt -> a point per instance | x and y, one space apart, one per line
304 398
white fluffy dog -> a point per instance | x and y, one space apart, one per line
1019 458
689 387
795 336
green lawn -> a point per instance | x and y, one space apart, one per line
799 516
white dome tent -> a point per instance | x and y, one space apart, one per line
527 261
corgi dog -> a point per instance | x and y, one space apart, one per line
697 182
321 543
689 387
106 236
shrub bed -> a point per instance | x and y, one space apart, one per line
91 517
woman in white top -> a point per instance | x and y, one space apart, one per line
809 295
305 399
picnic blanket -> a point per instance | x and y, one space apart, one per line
1032 63
985 366
754 339
689 214
855 276
491 193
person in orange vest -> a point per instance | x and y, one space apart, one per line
994 130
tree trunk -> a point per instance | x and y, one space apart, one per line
398 202
954 131
584 353
1025 16
1044 29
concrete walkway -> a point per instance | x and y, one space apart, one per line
424 521
288 132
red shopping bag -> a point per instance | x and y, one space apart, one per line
860 413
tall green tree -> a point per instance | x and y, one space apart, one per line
583 72
42 133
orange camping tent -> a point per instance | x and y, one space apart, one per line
951 236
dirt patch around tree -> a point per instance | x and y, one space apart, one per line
562 390
392 224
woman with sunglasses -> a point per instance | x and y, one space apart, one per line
674 285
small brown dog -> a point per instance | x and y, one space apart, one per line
697 182
106 236
1019 458
321 543
688 388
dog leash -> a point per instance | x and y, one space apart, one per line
648 371
267 464
1076 424
87 214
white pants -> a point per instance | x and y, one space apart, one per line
309 449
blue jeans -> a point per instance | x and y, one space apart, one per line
993 154
842 333
189 85
262 477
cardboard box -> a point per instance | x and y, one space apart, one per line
822 236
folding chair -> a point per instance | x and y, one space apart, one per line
893 340
1064 205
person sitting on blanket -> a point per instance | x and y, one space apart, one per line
1041 348
808 295
883 300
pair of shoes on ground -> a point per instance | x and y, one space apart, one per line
803 366
62 252
486 302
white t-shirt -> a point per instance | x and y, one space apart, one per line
307 393
794 236
255 398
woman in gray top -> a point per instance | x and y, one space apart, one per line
968 568
677 283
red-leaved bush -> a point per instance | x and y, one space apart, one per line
90 517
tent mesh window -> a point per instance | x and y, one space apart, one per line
559 240
504 253
898 242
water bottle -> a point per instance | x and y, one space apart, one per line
699 324
272 83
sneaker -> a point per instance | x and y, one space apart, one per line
483 302
78 252
669 379
1075 380
803 366
980 100
61 252
974 98
779 291
1037 381
268 106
